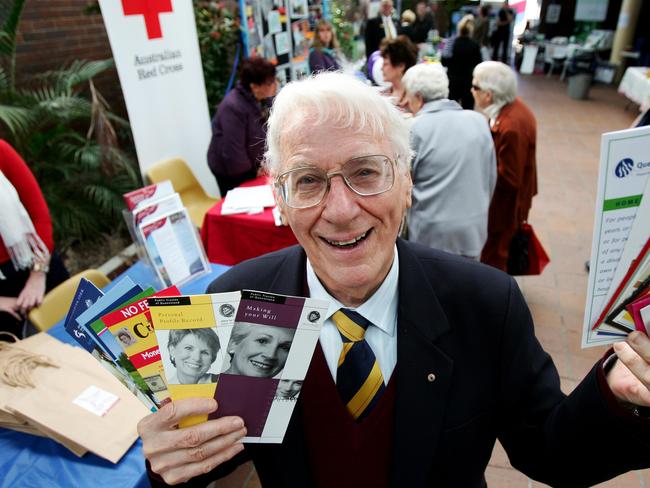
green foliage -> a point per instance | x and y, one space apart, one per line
63 128
343 26
218 32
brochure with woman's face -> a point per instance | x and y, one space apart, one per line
249 350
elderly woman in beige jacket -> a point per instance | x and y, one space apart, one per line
454 166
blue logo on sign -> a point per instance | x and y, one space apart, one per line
624 167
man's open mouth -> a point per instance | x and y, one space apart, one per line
348 244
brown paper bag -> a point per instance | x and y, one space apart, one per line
60 404
9 421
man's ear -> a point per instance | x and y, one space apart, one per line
408 188
283 216
279 202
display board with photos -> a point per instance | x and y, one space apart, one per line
282 31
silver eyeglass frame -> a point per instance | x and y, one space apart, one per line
279 185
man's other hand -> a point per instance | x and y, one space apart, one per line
629 379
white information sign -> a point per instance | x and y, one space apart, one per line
591 10
156 52
624 171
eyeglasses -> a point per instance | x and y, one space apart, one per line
306 186
476 87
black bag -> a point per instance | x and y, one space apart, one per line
526 255
518 254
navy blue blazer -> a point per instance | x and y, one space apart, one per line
469 325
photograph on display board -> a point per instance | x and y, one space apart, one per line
283 74
265 8
273 22
302 37
298 9
269 49
299 70
282 43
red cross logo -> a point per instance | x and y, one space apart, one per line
151 10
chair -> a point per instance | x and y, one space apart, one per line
555 54
186 185
57 301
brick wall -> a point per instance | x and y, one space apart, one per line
52 33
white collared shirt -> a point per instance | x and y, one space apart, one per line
389 26
380 309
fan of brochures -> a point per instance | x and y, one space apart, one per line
249 350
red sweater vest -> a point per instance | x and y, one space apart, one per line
343 452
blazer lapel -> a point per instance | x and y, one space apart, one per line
423 371
291 277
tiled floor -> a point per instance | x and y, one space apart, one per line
568 146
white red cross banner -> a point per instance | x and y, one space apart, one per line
157 56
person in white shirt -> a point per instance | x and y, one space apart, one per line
380 27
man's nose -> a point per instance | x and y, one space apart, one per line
340 202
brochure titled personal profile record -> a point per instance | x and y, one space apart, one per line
249 350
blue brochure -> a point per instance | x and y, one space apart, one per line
120 293
85 296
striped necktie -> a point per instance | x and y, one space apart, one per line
358 377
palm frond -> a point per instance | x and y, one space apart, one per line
10 27
64 80
16 120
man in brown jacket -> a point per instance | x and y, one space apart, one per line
514 130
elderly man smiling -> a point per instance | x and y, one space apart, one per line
441 349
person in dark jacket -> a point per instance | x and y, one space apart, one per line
501 36
482 27
380 27
324 50
238 132
422 25
460 58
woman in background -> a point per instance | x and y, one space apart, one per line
325 49
399 55
238 128
28 267
460 58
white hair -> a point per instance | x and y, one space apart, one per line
430 81
343 102
498 78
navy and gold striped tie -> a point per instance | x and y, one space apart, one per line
358 377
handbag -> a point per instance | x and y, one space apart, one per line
526 255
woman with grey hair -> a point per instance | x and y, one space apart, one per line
453 170
514 131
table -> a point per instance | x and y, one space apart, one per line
635 84
29 460
231 239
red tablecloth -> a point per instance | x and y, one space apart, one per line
231 239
